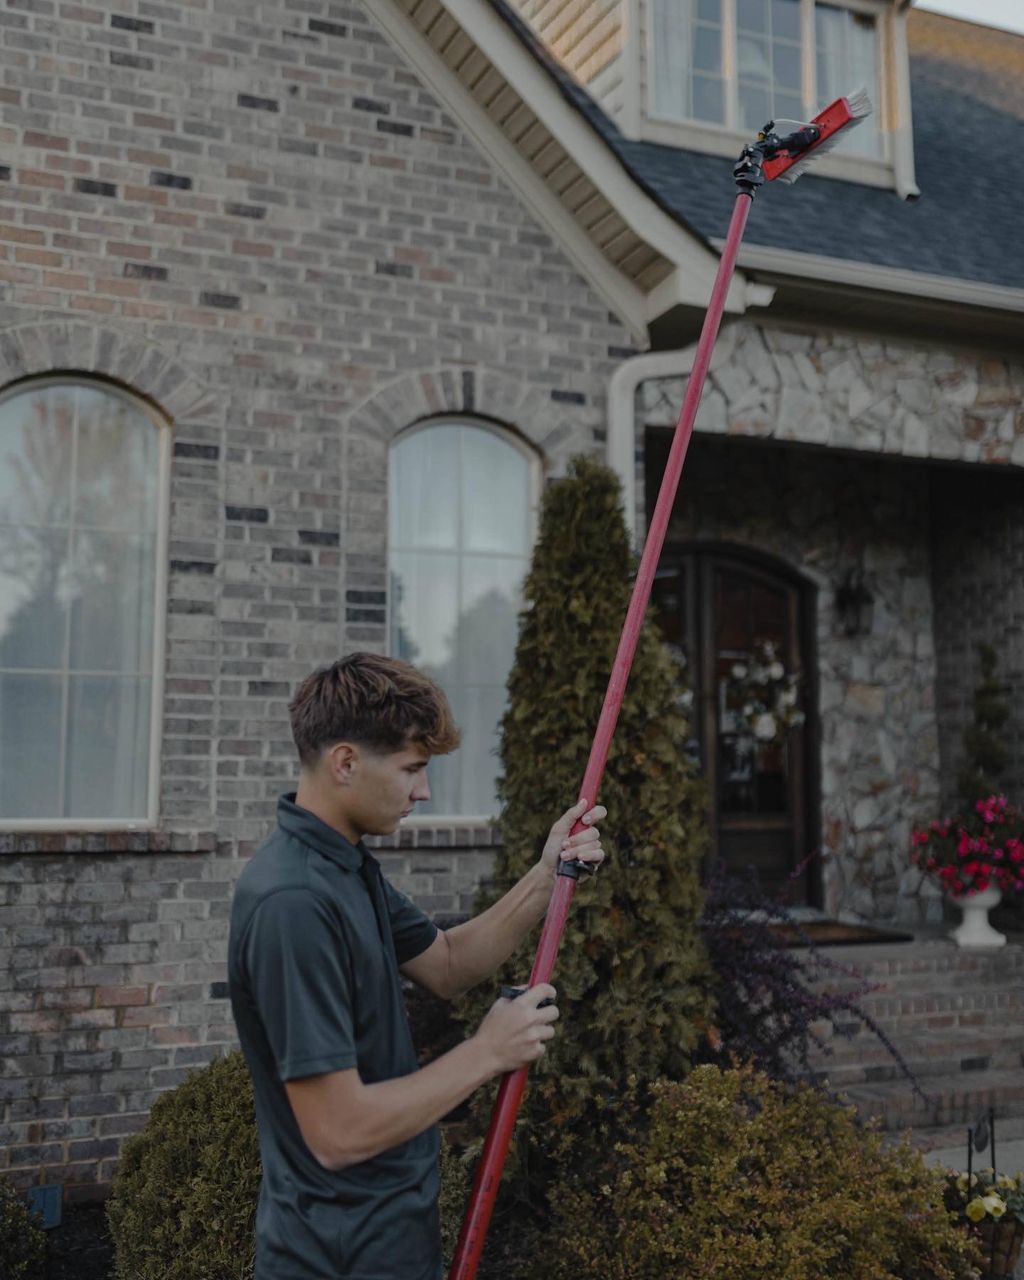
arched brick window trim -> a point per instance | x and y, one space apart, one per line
371 426
34 350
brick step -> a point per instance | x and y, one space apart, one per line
897 1010
924 967
950 1100
1003 1037
923 985
866 1059
914 962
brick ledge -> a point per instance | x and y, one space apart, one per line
29 842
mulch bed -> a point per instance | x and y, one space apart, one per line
80 1248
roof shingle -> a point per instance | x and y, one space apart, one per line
967 90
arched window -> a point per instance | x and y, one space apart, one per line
460 517
82 533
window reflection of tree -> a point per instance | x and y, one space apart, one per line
77 530
482 641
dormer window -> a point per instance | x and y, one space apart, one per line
734 64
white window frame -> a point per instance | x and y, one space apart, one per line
164 441
534 474
728 139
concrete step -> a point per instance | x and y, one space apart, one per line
958 1098
952 1138
864 1058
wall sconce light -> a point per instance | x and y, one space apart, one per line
855 605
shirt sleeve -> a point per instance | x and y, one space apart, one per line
298 966
412 931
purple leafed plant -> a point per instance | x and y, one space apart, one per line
771 996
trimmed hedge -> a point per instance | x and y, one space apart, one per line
183 1205
734 1176
184 1197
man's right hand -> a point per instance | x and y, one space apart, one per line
513 1031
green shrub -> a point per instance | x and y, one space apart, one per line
453 1198
184 1197
986 754
22 1239
631 974
738 1177
183 1205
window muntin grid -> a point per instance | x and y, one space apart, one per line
738 63
460 532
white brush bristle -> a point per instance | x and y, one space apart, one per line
860 107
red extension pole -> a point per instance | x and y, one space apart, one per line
506 1107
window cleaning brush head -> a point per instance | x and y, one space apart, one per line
787 158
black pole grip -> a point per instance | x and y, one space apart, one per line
510 993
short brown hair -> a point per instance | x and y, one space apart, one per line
380 703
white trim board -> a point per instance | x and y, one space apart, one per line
864 275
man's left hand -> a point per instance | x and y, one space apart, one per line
585 845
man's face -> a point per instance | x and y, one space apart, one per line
383 788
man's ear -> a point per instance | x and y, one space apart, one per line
342 760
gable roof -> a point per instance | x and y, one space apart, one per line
968 106
636 252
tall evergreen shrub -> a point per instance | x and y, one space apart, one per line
632 976
985 751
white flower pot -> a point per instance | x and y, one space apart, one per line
975 930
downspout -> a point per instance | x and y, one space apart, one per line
622 388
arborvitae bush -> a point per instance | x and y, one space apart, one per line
22 1240
985 751
734 1176
631 975
184 1197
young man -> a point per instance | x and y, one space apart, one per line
347 1122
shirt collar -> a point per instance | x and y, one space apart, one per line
310 830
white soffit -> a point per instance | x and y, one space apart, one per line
619 238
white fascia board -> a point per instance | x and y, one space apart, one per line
680 289
865 275
534 85
619 293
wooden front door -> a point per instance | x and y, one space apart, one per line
723 613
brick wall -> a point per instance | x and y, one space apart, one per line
259 219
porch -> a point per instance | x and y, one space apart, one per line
957 1018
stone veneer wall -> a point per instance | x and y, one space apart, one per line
873 402
820 515
258 218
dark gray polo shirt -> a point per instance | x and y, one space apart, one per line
317 936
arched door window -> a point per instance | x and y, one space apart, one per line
82 471
460 522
